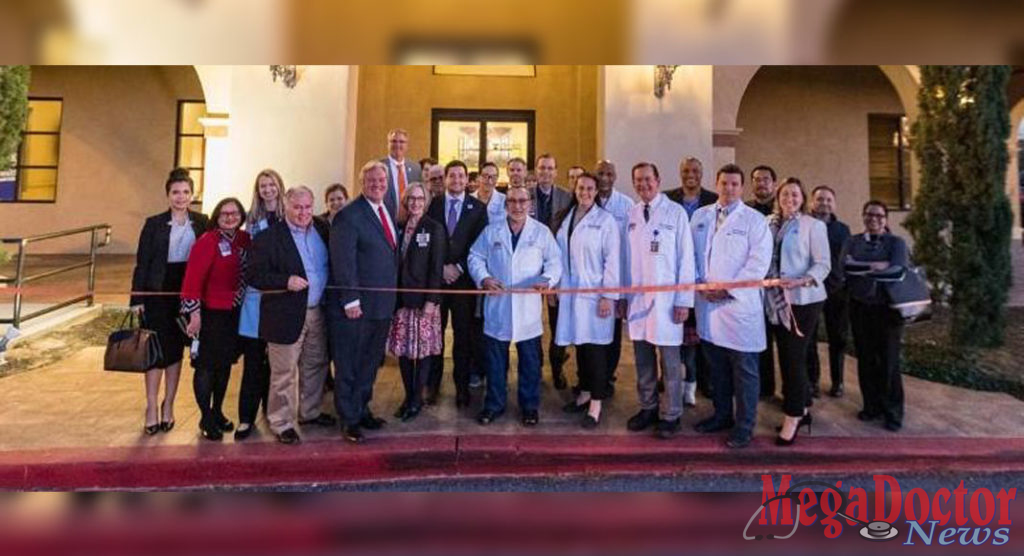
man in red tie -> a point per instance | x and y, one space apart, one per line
400 172
363 255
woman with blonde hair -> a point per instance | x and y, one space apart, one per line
266 209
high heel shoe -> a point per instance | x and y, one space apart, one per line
150 430
805 420
165 426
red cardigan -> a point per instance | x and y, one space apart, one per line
212 279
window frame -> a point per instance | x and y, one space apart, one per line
483 116
18 167
903 155
200 188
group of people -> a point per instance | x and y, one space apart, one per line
703 283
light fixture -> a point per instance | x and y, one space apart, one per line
663 79
288 74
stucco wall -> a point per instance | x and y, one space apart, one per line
117 145
811 122
564 98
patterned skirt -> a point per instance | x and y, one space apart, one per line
414 334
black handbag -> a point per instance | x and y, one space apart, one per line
132 349
908 292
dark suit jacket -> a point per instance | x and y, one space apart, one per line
472 221
560 200
362 257
274 258
151 255
706 197
412 173
423 263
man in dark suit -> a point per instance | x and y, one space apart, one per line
292 255
763 177
549 202
401 172
364 254
692 196
463 217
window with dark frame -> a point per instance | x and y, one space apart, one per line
33 174
190 143
478 136
889 160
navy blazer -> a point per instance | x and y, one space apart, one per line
151 255
423 263
273 259
705 198
472 221
362 257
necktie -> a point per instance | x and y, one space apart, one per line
720 218
401 180
387 229
647 212
453 216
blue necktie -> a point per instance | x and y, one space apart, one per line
453 216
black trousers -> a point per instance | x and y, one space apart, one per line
356 347
210 384
414 378
465 339
837 322
614 351
255 380
793 357
766 362
877 338
557 355
592 367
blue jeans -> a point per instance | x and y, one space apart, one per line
496 364
734 373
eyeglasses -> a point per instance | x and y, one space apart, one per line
873 215
418 198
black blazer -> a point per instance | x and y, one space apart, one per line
423 263
151 255
273 259
472 221
705 198
362 257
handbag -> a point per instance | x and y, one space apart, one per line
908 292
133 349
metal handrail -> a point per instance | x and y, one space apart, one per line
20 279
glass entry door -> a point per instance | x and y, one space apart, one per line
478 136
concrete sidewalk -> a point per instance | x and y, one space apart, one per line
72 425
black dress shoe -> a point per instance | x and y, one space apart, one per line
150 430
243 431
712 425
372 423
589 422
530 418
865 415
893 425
486 417
739 440
353 434
836 391
289 437
667 429
225 424
573 407
410 413
212 433
643 419
322 420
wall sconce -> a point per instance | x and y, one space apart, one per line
663 79
288 74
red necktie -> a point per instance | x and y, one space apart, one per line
387 229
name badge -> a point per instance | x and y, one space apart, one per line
225 248
654 246
423 239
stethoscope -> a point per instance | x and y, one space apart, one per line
872 531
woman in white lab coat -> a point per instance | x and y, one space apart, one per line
589 241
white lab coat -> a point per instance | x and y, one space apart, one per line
495 207
740 250
619 205
660 253
590 260
515 317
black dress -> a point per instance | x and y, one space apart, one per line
161 316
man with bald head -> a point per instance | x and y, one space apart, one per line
619 204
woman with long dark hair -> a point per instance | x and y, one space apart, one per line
164 246
211 295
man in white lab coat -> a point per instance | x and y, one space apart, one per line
660 253
619 204
516 253
733 243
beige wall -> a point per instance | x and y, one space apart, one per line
564 98
117 145
811 122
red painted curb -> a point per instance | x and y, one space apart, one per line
399 458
